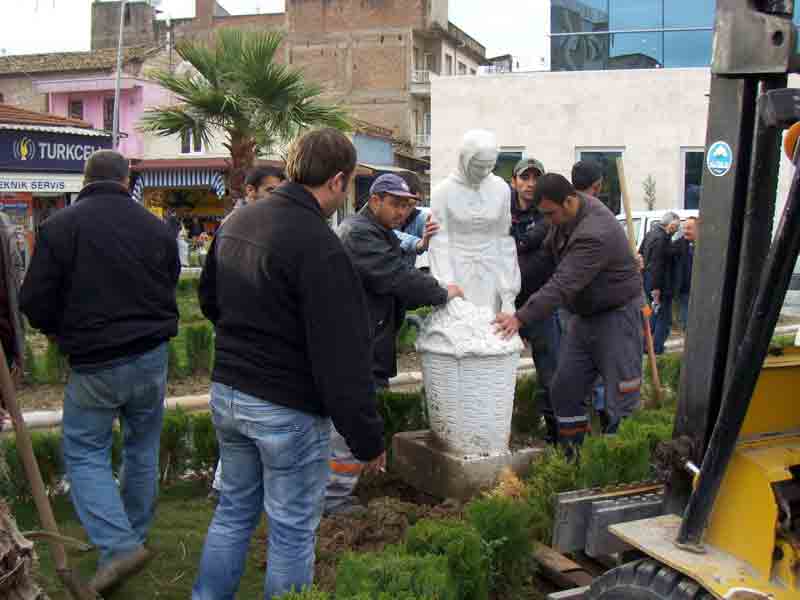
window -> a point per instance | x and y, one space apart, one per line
191 144
641 34
108 113
448 61
462 68
127 17
692 160
506 161
76 109
607 159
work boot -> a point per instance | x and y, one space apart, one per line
120 568
347 507
571 446
551 431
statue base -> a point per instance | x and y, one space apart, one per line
422 462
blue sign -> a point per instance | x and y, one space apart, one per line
719 158
40 151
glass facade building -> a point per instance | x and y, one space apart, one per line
630 34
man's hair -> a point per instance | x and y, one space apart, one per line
585 173
106 165
695 219
257 175
318 155
553 187
669 217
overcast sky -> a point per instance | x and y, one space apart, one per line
510 26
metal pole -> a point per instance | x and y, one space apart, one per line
115 129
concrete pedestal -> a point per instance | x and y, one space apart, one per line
421 462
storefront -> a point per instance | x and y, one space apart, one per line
193 189
41 168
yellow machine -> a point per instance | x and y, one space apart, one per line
731 526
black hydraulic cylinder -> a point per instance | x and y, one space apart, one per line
749 359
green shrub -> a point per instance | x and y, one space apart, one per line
199 341
56 367
174 369
504 526
550 475
402 412
31 373
46 449
526 419
461 543
187 286
174 444
669 373
204 442
393 575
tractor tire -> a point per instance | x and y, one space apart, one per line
645 580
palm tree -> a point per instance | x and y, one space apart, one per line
236 87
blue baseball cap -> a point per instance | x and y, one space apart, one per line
393 185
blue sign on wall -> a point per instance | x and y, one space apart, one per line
39 151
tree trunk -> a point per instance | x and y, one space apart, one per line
16 561
243 157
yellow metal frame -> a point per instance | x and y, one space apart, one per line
741 539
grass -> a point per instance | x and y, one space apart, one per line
177 537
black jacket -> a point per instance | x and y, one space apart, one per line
390 283
291 317
682 251
656 250
536 265
103 276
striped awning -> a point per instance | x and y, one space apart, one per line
179 178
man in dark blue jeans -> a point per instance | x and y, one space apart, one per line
293 354
102 284
529 229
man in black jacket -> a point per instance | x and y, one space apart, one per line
657 252
293 351
682 267
392 286
536 265
102 284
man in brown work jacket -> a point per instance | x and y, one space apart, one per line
598 281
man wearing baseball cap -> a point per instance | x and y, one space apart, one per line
528 228
391 286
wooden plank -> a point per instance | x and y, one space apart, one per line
559 569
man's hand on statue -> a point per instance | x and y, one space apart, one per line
454 291
506 325
431 229
377 465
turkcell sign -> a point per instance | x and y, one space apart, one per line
40 151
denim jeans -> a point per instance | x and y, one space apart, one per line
684 310
276 459
116 518
544 338
661 321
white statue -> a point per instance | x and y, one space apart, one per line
474 248
469 371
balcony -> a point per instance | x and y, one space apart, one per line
422 145
421 82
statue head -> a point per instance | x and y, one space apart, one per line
478 156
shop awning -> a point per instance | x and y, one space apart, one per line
177 179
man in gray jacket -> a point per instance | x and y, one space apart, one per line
597 279
392 286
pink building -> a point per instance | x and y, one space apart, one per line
80 85
92 100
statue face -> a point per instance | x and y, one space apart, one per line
480 167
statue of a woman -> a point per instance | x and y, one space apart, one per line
473 247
